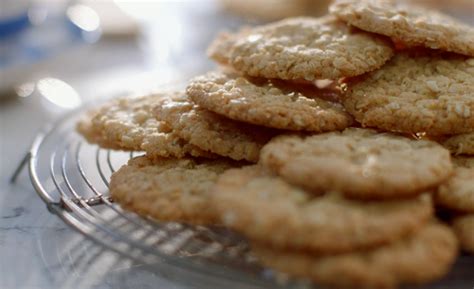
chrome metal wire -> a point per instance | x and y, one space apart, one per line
75 188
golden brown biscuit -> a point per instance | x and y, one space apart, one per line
268 103
168 189
416 92
423 257
212 132
302 48
407 23
361 163
267 209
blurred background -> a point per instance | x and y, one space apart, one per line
70 52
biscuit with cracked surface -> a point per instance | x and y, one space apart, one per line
168 189
211 132
461 144
302 48
267 209
408 24
130 124
463 226
361 163
457 193
268 103
423 257
416 92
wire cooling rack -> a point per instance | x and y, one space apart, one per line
72 178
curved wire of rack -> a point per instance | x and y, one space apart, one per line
72 178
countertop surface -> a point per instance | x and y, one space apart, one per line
37 250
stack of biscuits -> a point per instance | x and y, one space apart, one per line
329 143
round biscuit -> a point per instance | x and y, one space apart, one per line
408 24
425 256
212 132
416 92
168 189
267 209
361 163
268 103
302 48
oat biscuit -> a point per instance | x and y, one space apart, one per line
130 124
461 144
413 93
267 209
212 132
361 163
303 48
463 226
409 24
421 258
457 193
268 103
168 189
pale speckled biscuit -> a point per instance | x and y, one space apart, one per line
464 228
461 144
212 132
409 24
430 93
91 134
423 257
130 124
457 193
267 209
168 189
302 48
361 163
268 103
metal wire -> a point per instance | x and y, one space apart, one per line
79 196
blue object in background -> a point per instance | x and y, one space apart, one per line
13 25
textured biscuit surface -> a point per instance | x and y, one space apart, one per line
464 228
409 24
423 257
130 124
267 209
268 103
167 189
461 144
413 93
360 163
212 132
457 193
302 48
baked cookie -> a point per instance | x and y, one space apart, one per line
464 228
427 92
211 132
457 193
130 124
168 189
302 48
267 209
461 144
94 136
408 24
423 257
361 163
268 103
